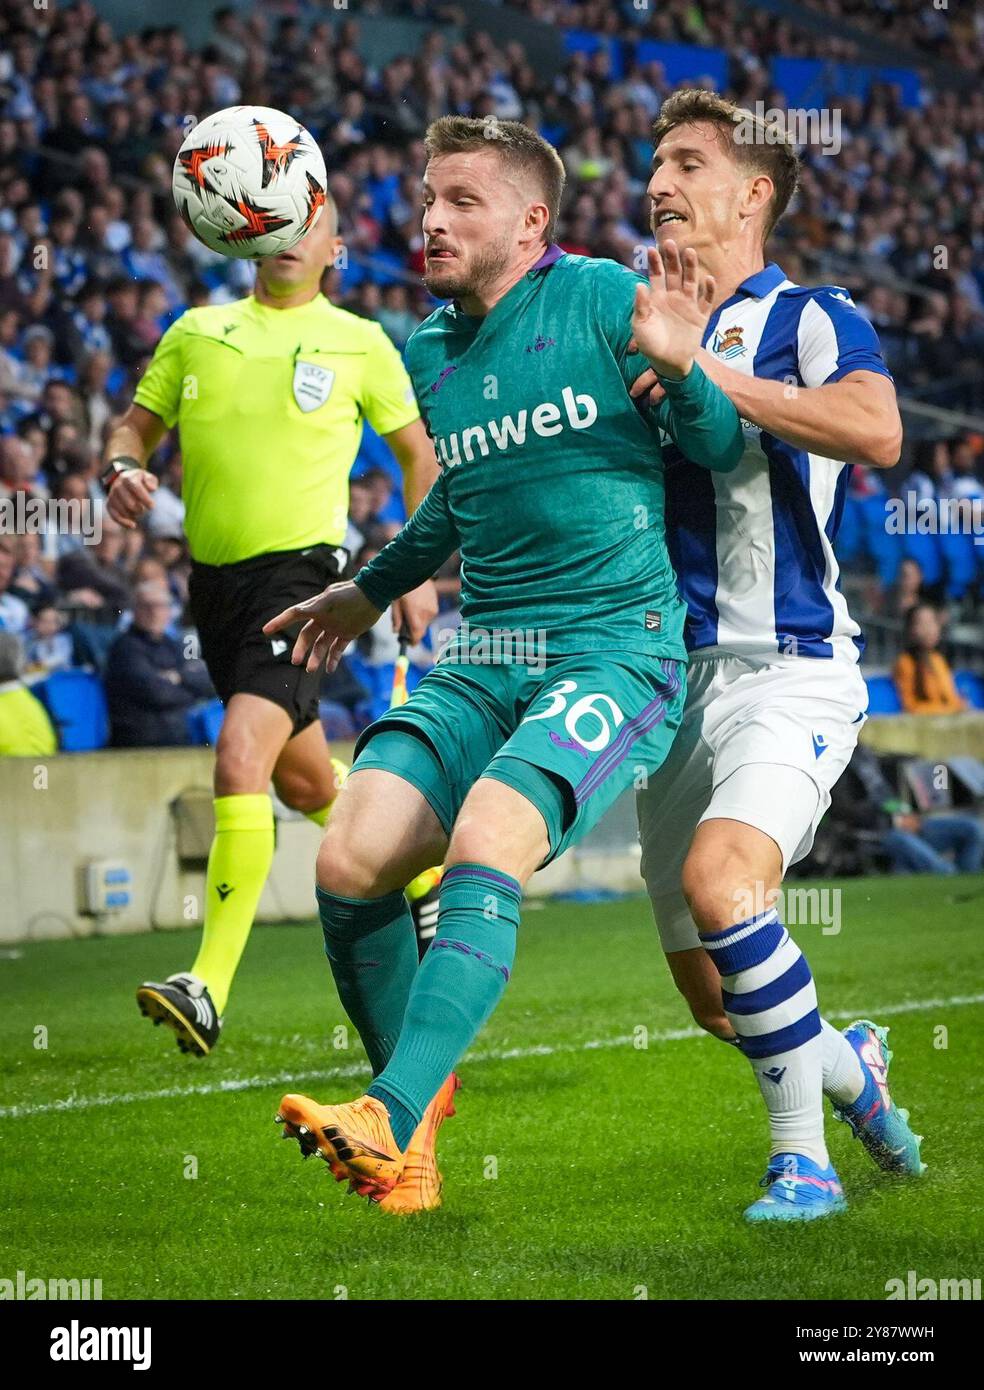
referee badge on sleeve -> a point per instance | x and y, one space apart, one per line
312 385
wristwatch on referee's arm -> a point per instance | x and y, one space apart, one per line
117 466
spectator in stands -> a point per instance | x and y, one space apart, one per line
88 322
92 577
121 320
37 369
69 488
49 647
922 673
94 393
25 729
144 260
148 570
90 122
865 805
13 610
906 592
371 658
32 580
385 507
360 513
168 546
150 683
18 468
965 477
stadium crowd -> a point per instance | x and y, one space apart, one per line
754 35
95 262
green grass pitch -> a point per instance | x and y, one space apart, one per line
580 1165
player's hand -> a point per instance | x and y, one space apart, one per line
414 612
649 382
331 620
647 385
671 312
131 497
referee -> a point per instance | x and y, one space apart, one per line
269 395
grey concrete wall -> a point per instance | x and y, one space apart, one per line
57 814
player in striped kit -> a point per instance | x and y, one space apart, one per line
775 697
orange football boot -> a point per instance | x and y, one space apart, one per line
354 1139
419 1185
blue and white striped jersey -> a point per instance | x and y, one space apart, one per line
753 549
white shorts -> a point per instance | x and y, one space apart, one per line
761 742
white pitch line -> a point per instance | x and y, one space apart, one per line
511 1054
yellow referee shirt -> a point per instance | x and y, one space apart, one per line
269 404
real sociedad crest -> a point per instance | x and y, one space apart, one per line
729 343
312 385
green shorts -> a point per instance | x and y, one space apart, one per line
591 725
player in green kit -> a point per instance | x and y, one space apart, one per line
568 674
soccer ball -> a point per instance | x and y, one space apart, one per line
249 181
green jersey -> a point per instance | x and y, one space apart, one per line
551 481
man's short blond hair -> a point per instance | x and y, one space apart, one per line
759 151
521 149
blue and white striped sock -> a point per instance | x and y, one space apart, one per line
771 1002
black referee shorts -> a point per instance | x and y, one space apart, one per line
230 604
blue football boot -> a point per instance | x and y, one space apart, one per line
797 1189
882 1128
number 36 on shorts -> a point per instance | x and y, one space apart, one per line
590 720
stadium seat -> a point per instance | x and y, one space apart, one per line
882 547
926 551
928 790
849 546
76 702
883 698
205 722
960 557
971 687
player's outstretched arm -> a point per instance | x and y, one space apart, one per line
344 611
702 422
671 312
414 612
668 322
415 553
854 418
